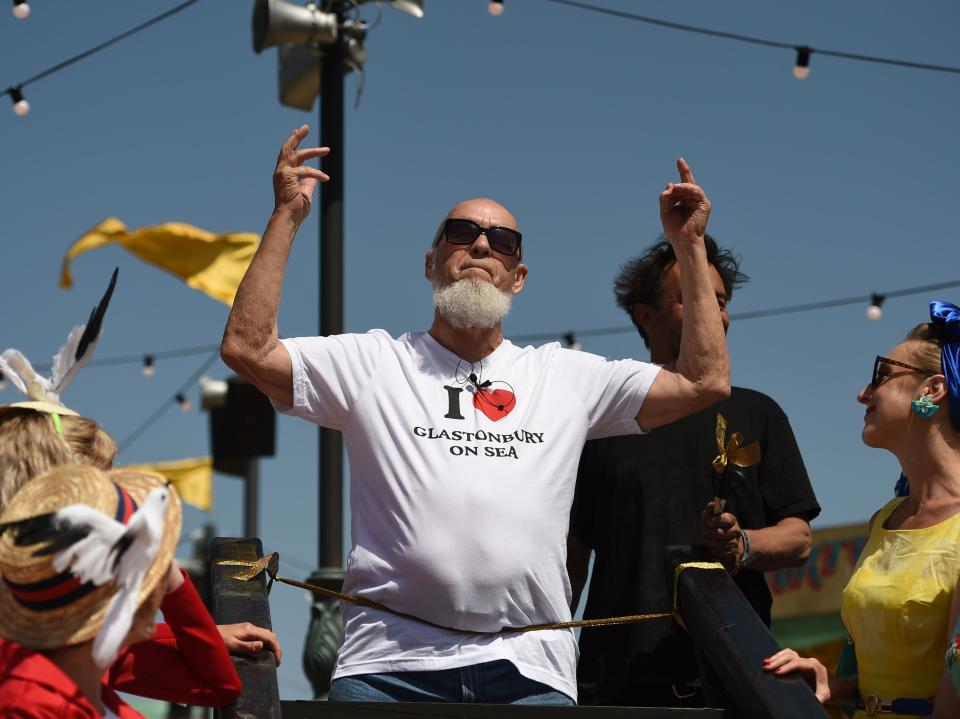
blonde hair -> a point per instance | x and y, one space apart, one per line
31 445
88 442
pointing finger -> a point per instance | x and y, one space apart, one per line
686 174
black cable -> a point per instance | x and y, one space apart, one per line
162 409
589 332
570 3
752 314
97 48
750 39
531 337
138 358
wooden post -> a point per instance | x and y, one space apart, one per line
235 601
734 642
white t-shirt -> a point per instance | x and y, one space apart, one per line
460 500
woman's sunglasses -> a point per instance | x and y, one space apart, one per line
502 240
878 378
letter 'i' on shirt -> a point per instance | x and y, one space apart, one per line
460 503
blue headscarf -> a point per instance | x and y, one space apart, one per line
947 318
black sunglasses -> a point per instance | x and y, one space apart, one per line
502 240
878 379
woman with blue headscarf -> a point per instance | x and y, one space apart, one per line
901 604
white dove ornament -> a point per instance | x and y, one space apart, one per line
112 551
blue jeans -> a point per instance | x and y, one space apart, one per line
496 682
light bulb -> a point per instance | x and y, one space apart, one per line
20 106
185 404
801 70
874 312
571 341
495 8
148 370
21 10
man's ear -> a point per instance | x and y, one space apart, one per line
642 314
521 278
428 265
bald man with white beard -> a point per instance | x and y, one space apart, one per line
463 447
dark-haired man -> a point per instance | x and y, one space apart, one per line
463 447
638 494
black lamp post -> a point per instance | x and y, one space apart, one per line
330 550
321 35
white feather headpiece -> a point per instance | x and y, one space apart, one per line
43 393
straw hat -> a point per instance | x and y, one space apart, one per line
41 406
53 610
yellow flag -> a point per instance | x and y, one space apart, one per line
192 478
211 263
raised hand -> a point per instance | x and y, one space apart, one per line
684 209
294 182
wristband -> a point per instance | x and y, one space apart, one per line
744 558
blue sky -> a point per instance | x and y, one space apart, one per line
839 185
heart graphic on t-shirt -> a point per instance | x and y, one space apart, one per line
496 404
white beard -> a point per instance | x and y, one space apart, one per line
471 303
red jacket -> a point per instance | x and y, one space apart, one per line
185 662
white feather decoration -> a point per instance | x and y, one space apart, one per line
74 354
18 370
65 365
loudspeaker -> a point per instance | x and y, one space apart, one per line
243 428
277 22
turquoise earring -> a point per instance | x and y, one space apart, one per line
923 407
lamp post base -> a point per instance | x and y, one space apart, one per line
323 634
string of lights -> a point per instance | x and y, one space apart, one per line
801 68
873 300
20 104
148 360
569 337
178 398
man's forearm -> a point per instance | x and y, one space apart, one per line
703 346
251 331
785 544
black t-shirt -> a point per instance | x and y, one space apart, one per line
638 494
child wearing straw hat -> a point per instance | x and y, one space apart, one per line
86 559
31 444
40 433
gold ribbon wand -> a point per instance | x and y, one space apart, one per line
731 451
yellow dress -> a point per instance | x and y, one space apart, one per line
896 606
